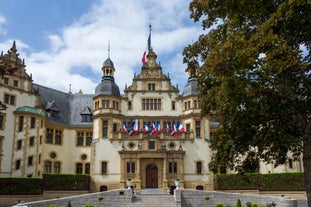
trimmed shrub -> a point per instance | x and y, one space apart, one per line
254 204
248 203
238 203
206 197
219 204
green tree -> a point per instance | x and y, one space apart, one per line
253 61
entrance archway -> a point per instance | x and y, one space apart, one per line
152 176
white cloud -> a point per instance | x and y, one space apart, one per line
77 53
2 22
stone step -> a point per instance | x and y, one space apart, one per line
153 201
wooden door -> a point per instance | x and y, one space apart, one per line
152 176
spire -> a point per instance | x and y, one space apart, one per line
108 48
13 49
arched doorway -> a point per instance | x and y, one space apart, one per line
151 176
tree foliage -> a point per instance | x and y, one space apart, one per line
254 71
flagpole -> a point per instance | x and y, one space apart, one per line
149 39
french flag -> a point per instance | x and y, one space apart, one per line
143 59
180 127
134 128
174 131
124 129
154 130
168 130
159 127
146 128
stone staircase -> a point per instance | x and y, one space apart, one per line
153 197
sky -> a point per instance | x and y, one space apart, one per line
65 42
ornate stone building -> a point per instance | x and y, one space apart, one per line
153 133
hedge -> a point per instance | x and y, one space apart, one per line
36 186
263 182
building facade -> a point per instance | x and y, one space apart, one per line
152 134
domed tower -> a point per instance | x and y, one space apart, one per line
107 103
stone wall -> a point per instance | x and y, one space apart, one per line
113 198
196 198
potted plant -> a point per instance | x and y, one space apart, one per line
100 198
177 183
129 183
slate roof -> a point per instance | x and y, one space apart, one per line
190 88
108 63
68 106
107 87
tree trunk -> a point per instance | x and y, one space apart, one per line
307 166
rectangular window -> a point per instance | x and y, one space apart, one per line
5 81
172 167
19 144
151 145
197 128
151 86
9 99
87 168
199 167
79 167
58 137
130 167
15 83
20 123
57 167
104 167
49 136
17 164
89 138
151 104
105 104
30 159
80 139
173 105
195 104
129 105
47 166
105 128
1 121
96 105
114 127
32 122
115 105
31 141
188 127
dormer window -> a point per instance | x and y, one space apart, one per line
86 115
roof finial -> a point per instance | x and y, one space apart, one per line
108 48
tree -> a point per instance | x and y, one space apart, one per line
254 71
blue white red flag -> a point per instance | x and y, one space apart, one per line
134 127
180 127
174 130
154 130
146 128
124 129
159 127
168 130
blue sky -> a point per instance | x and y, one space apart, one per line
66 42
